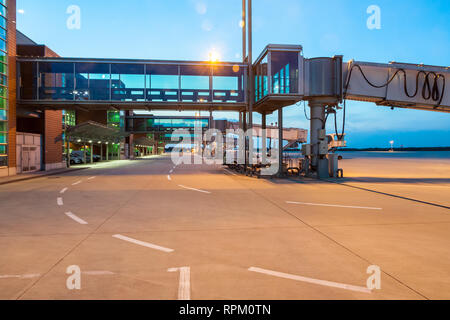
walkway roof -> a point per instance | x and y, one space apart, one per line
95 132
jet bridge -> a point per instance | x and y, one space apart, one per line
329 81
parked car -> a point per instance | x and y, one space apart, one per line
77 157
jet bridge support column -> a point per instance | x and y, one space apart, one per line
280 142
319 145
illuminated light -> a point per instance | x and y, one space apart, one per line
99 142
241 24
79 140
90 141
107 143
236 68
214 56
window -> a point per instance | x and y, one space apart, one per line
69 118
57 81
3 86
114 119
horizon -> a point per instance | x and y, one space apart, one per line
193 28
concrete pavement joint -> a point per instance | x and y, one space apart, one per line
390 195
29 287
331 205
335 241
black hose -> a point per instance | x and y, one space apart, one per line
428 91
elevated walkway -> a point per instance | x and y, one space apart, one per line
101 84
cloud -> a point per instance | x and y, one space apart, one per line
207 25
201 8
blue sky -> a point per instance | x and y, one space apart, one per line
415 31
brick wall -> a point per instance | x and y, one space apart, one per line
12 83
53 130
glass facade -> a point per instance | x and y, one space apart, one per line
277 72
153 124
113 119
69 118
3 85
140 82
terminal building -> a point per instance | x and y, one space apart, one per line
51 106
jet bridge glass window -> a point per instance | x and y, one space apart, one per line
92 81
228 83
56 81
128 82
276 72
28 80
195 83
284 72
162 82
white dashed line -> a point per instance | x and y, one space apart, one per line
98 273
193 189
226 170
91 178
78 182
310 280
59 201
63 190
169 178
184 287
74 217
332 205
142 243
23 276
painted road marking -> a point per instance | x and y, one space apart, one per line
23 276
74 217
91 178
184 287
226 170
332 205
78 182
63 190
193 189
142 243
310 280
59 201
98 273
169 178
